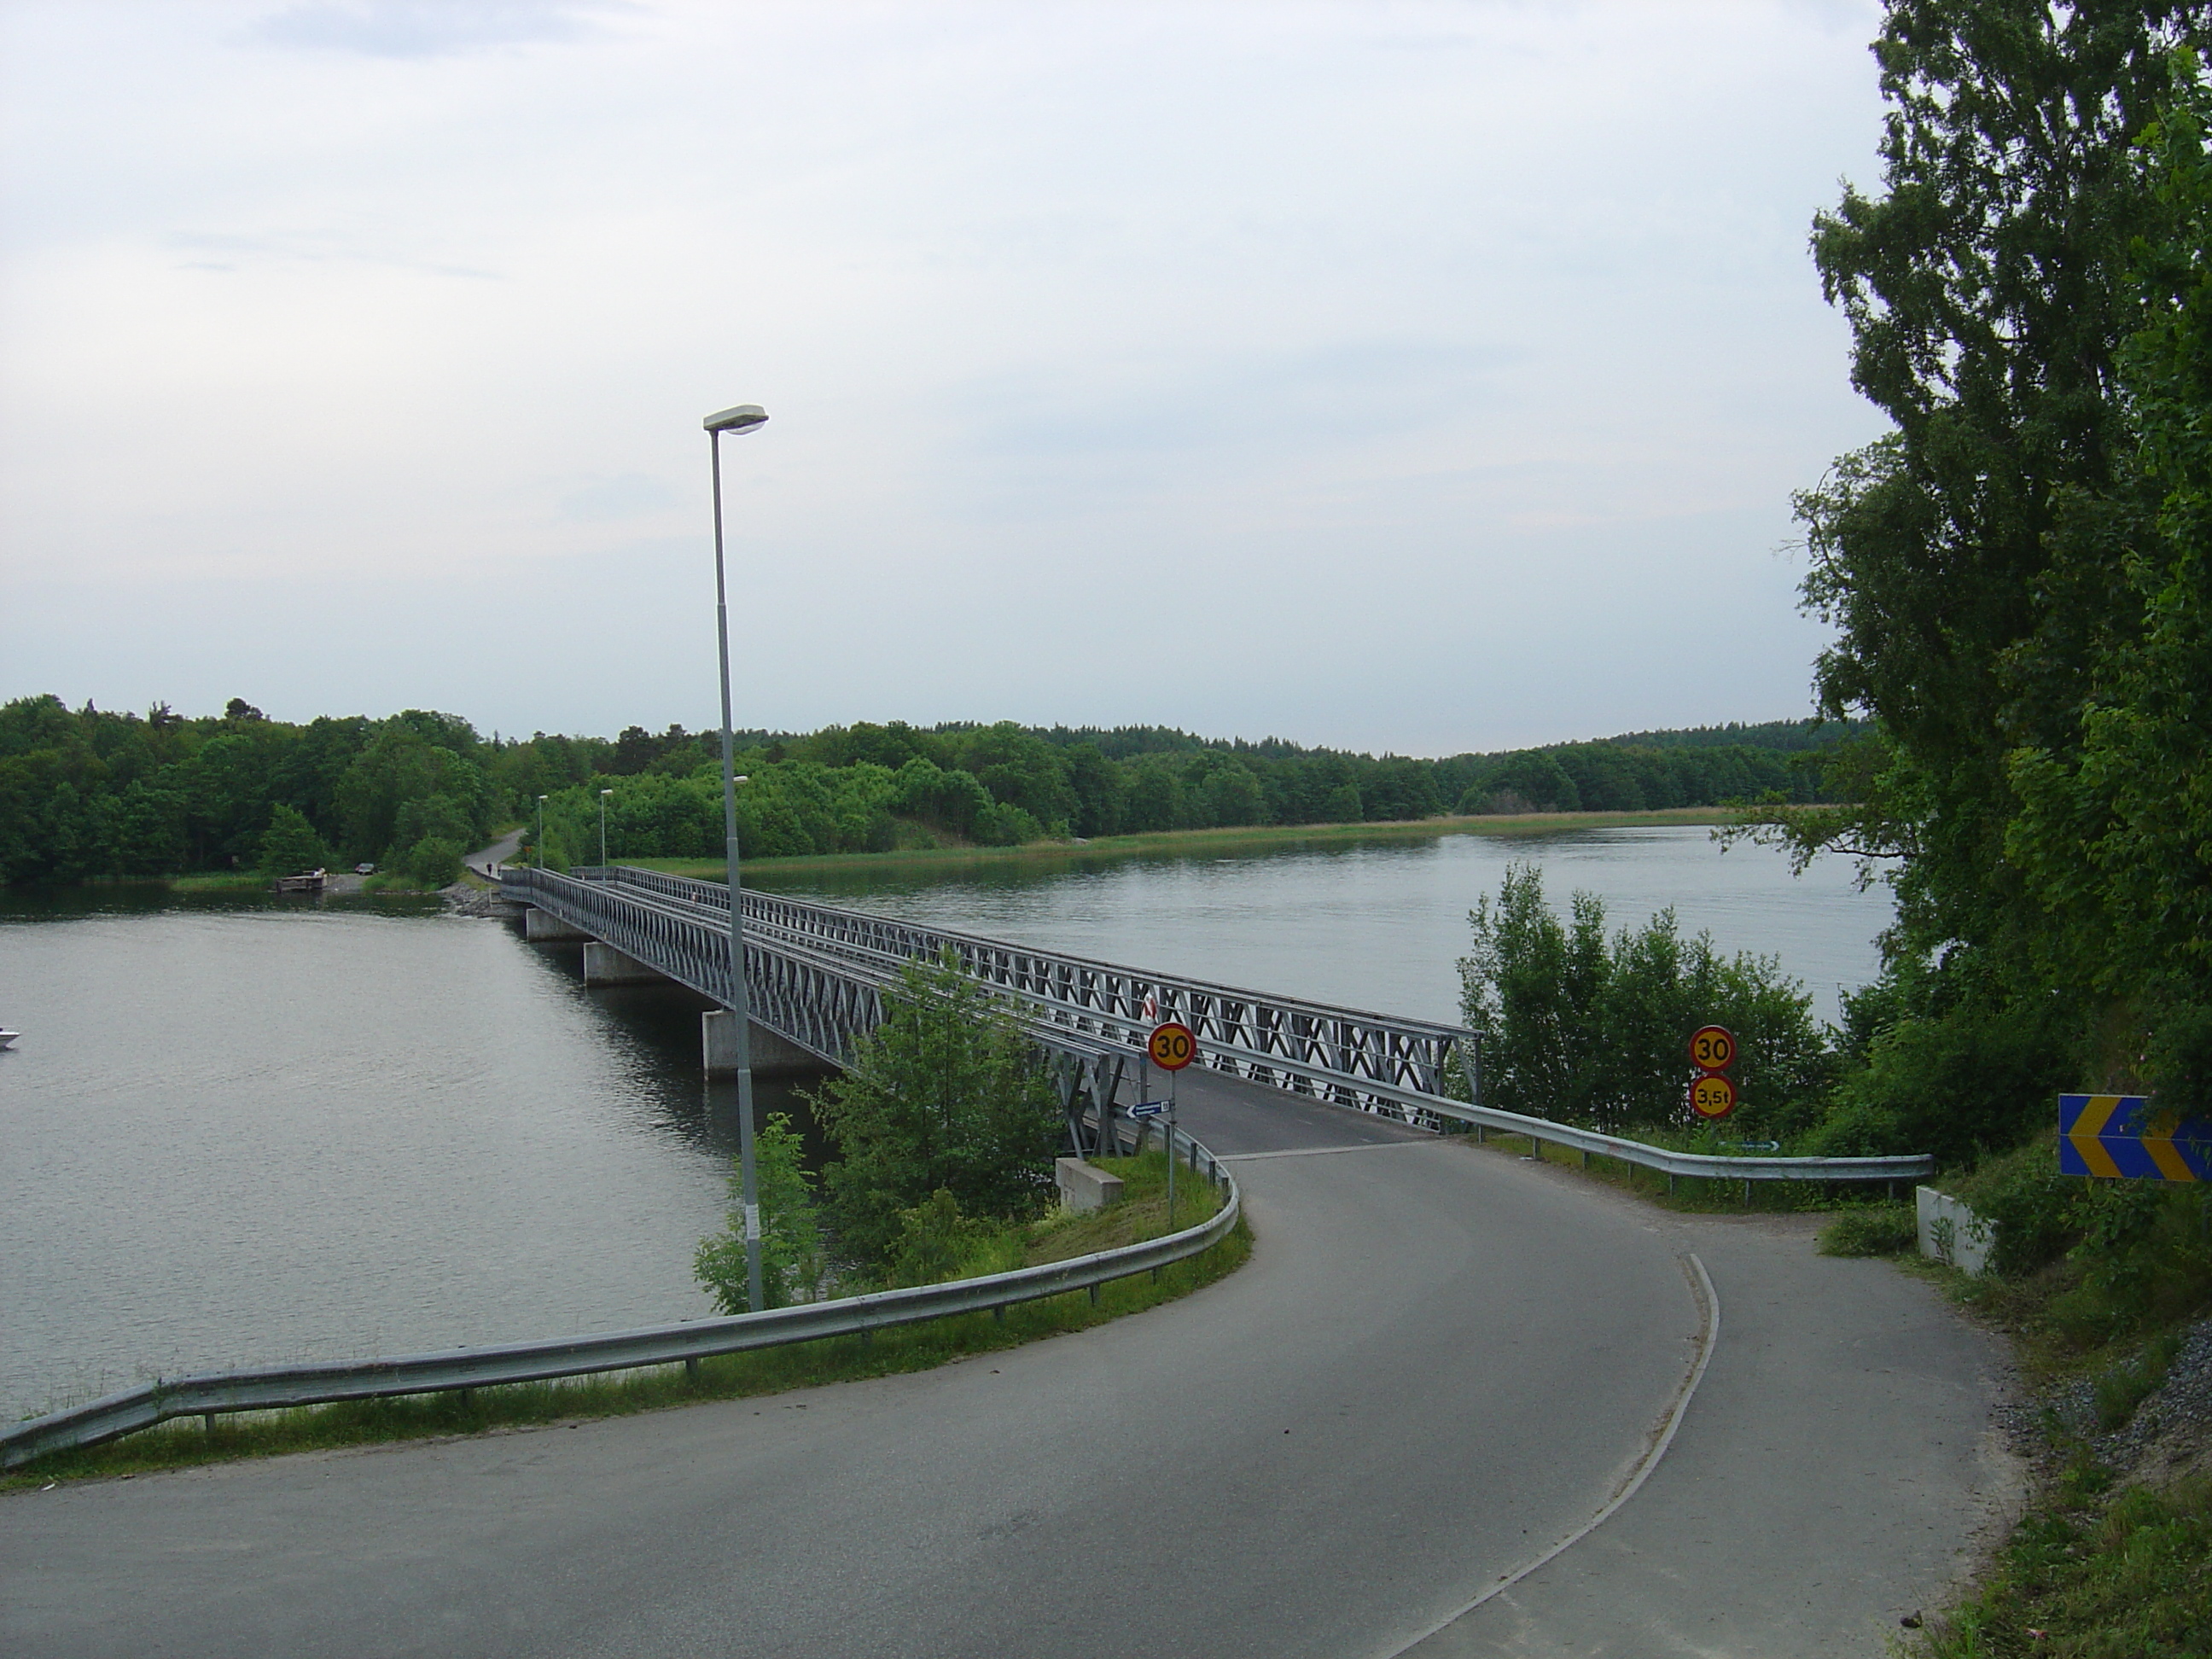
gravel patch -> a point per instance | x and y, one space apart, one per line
2171 1432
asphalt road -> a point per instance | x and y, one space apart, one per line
1439 1362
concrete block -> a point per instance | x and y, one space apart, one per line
1084 1186
773 1054
605 965
1951 1232
544 928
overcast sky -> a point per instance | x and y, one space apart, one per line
1424 377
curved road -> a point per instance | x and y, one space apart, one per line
1439 1363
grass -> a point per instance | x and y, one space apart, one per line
2128 1384
1142 1214
227 881
1246 838
1872 1230
2089 1577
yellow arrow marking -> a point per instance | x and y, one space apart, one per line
2096 1112
2158 1141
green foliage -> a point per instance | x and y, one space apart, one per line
2030 1203
2120 1390
947 1093
1872 1230
2134 1581
435 861
2015 571
936 1243
1959 1086
794 1265
88 794
1585 1030
290 844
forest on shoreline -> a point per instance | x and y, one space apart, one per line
90 793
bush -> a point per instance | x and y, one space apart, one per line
936 1243
1959 1085
1875 1229
2030 1204
1582 1029
948 1092
435 861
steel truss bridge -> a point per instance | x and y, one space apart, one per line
814 975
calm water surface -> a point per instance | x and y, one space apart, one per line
237 1132
1380 926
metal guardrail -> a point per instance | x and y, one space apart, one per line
1372 1061
273 1388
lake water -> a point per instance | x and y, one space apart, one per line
1380 926
249 1130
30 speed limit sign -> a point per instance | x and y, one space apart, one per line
1712 1048
1171 1047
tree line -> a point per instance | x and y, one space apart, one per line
89 792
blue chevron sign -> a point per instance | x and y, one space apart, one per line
2131 1137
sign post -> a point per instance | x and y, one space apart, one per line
1171 1047
1712 1092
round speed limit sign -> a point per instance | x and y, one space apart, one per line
1171 1047
1712 1096
1712 1048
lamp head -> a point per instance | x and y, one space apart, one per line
606 791
743 418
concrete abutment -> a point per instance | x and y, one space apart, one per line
773 1055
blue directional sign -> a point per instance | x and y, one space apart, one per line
1148 1108
2131 1137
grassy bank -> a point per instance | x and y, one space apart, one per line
1256 838
1141 1215
2102 1288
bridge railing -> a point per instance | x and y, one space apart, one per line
1372 1061
1284 1041
274 1388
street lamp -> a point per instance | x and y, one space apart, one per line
540 849
604 793
743 418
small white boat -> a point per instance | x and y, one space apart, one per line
8 1037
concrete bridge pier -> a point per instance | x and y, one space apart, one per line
605 965
542 927
773 1055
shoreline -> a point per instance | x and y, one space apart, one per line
1242 838
1234 839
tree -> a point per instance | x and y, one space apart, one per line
1986 296
1976 560
794 1267
1584 1031
947 1092
2114 828
290 843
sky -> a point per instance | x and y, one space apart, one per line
1412 377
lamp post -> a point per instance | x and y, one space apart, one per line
604 793
540 847
743 418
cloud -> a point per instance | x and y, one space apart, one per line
431 28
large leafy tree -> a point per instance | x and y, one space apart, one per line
2116 831
1987 294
